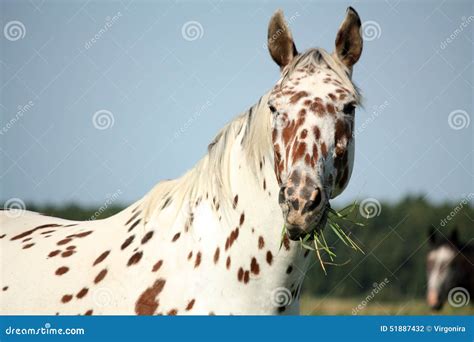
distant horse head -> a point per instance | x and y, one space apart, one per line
313 106
448 266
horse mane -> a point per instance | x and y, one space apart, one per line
210 177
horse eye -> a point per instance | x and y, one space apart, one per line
349 109
272 109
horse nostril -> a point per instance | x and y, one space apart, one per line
313 203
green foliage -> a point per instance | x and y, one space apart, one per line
395 244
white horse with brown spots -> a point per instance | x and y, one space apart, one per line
208 242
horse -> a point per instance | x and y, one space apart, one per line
209 242
450 271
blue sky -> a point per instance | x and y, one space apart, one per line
172 73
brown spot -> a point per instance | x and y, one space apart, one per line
190 255
332 96
5 288
298 96
240 274
330 108
89 312
67 253
176 237
242 219
70 248
304 134
127 242
264 184
147 303
27 239
317 132
28 245
198 260
2 236
61 270
100 276
64 241
324 150
54 253
261 242
135 258
29 232
227 263
147 237
299 152
82 293
216 255
286 242
190 304
289 269
134 225
269 257
80 235
172 312
246 277
157 266
101 258
66 298
254 266
132 218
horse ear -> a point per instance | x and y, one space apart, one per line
280 41
432 235
454 237
349 39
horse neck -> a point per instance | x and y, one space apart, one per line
251 219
